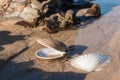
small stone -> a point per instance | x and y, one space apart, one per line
4 4
69 16
36 4
20 7
14 14
81 12
93 11
10 10
19 0
29 13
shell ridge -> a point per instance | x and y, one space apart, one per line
90 62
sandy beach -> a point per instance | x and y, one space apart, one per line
18 46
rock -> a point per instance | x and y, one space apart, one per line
1 11
44 7
55 14
29 14
69 16
25 24
94 11
14 9
58 22
10 10
4 4
19 0
36 5
14 14
81 12
52 23
31 11
18 6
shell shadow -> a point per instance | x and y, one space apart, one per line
76 50
73 50
64 76
15 71
1 48
25 71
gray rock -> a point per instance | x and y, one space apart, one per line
29 13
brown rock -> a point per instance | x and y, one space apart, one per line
94 11
4 4
36 4
20 7
81 12
14 14
69 16
11 10
19 0
58 22
14 9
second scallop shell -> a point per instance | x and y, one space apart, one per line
90 62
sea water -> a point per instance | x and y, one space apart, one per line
107 5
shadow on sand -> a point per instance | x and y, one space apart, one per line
25 71
77 49
6 38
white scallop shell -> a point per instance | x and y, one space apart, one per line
90 62
49 53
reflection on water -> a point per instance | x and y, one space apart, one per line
107 5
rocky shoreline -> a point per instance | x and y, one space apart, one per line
52 15
18 46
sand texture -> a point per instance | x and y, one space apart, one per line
18 46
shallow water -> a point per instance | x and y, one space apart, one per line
107 5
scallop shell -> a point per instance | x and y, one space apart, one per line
90 62
49 53
53 43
